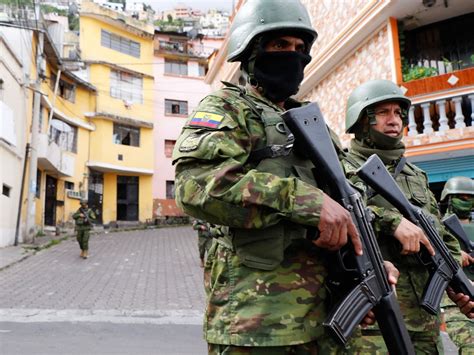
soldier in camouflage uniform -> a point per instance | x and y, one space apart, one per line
83 218
235 167
204 231
376 114
458 193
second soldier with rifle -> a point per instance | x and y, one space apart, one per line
377 113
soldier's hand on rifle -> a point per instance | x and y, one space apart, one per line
82 215
462 301
392 272
466 259
335 224
410 236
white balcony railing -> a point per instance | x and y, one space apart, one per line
440 115
53 158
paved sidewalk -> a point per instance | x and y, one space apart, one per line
135 277
144 270
12 254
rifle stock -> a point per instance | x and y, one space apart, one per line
443 268
372 289
454 226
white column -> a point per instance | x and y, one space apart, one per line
443 119
411 122
427 124
459 118
471 97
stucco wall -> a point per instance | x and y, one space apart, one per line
370 61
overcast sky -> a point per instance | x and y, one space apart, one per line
160 5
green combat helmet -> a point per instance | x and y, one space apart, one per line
83 201
369 93
458 185
256 17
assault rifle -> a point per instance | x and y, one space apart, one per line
86 215
454 226
443 268
370 289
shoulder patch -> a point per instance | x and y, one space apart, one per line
192 142
206 119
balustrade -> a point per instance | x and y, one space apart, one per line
441 115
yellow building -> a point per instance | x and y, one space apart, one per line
59 139
118 53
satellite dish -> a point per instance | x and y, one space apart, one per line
60 126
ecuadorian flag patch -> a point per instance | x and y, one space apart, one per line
206 119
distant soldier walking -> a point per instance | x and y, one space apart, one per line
204 238
83 218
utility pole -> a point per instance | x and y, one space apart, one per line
35 127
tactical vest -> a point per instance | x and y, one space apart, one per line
413 182
264 248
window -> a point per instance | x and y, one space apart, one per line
68 185
65 90
7 124
176 67
6 190
126 86
170 189
66 138
126 135
120 44
175 107
202 70
38 184
169 146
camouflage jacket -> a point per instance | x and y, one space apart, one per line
413 277
252 304
83 223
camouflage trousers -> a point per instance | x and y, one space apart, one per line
371 342
83 238
204 243
301 349
460 329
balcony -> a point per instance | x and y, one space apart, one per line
52 158
182 49
438 116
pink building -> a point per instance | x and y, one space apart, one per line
180 65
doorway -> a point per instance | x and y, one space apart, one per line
127 198
50 201
96 193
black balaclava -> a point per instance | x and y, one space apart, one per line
277 75
280 73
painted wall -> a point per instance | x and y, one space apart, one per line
91 48
13 99
370 61
103 150
168 127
